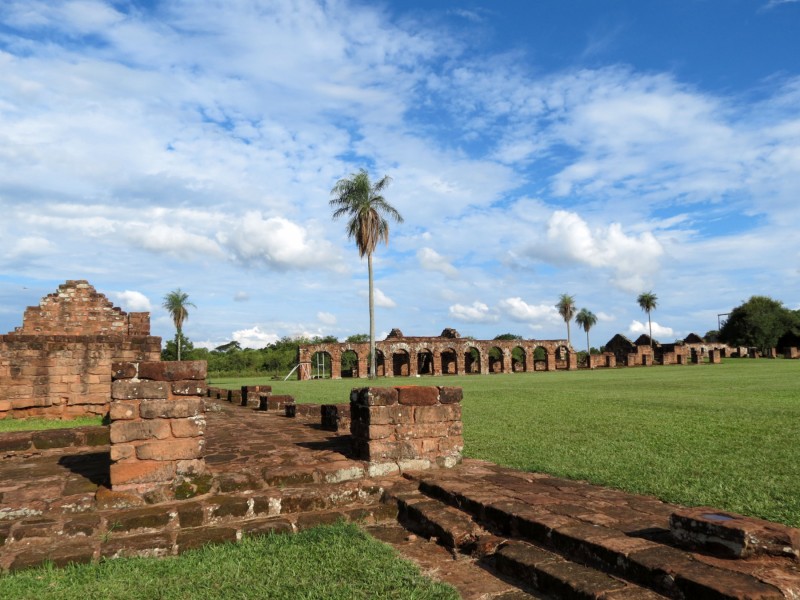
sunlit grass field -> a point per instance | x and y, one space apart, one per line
38 424
724 435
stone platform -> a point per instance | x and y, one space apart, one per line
491 532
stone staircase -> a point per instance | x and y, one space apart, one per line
546 550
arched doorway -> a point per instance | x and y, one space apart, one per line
349 363
472 361
518 360
380 363
449 362
495 360
425 362
321 365
401 364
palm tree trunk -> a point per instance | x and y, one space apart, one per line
569 341
372 361
650 325
588 351
179 344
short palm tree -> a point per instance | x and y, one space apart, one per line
586 319
566 308
648 302
366 210
176 303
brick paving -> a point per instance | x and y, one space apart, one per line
501 533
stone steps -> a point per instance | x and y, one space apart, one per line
171 528
563 556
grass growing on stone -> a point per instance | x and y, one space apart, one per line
331 562
38 424
722 435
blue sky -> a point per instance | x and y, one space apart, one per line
593 147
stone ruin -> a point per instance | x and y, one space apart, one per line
58 363
447 354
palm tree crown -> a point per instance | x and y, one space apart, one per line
566 308
366 210
586 319
648 302
176 303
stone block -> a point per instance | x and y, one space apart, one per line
144 518
122 452
5 405
188 388
173 370
179 408
169 450
437 414
377 396
191 427
141 471
129 431
125 389
450 395
124 410
189 539
55 438
413 395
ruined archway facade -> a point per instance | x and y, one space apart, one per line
446 354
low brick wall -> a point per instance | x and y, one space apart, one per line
410 427
251 394
335 417
35 442
157 427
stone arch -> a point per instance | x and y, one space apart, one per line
562 356
519 362
401 363
321 364
539 354
380 363
472 361
449 361
495 356
349 363
425 362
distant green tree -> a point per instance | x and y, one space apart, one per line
648 302
170 351
358 338
759 323
229 347
176 303
566 308
508 337
711 336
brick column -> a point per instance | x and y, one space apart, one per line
406 428
251 395
550 361
507 362
572 360
157 427
436 367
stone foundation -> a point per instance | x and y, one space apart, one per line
157 428
406 428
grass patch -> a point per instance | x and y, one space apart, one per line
331 562
38 424
723 435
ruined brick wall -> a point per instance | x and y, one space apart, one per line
157 428
58 363
407 427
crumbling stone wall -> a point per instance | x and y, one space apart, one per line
407 427
157 427
448 354
58 363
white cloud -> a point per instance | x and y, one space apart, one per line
519 310
659 331
433 261
633 260
241 296
326 318
132 301
254 337
477 312
28 247
383 300
172 240
277 243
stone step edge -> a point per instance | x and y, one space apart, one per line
170 541
78 439
656 566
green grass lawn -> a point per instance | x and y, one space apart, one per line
37 424
333 562
724 435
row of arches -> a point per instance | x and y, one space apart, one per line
402 362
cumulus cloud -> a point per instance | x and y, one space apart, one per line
519 310
29 247
383 300
633 260
326 318
433 261
241 297
477 312
659 331
254 337
172 240
276 243
132 301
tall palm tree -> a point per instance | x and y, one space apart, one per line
366 210
566 308
587 320
176 303
648 302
